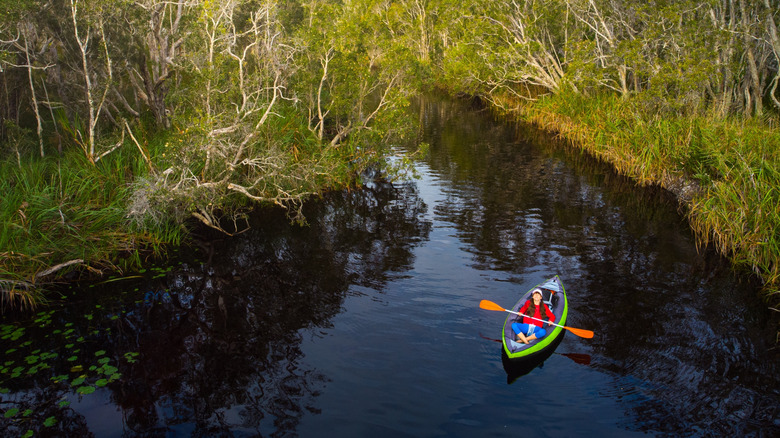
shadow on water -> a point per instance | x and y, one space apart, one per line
517 368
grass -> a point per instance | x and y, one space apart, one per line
61 213
725 172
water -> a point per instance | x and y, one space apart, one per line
366 321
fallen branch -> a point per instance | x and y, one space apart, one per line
56 268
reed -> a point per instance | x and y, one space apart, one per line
62 213
724 171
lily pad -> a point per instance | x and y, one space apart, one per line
86 390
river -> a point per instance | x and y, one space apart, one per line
365 321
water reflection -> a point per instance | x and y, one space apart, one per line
686 341
219 336
232 358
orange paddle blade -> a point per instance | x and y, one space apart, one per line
489 305
580 332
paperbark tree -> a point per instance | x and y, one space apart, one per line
515 47
162 40
88 25
611 24
353 73
29 46
753 83
238 51
771 16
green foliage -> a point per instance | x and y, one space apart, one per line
275 120
63 209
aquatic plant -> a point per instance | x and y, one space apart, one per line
37 381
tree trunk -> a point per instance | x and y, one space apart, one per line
774 39
753 87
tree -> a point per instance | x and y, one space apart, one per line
354 72
770 13
88 25
160 43
519 48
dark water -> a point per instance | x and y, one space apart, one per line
365 322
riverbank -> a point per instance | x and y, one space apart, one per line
725 173
63 215
68 218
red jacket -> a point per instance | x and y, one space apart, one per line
537 314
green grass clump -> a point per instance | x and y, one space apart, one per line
62 213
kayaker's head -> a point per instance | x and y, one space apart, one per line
536 296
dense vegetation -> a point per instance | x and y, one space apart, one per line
123 119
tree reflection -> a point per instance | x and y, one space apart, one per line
225 351
219 337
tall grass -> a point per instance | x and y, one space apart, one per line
726 172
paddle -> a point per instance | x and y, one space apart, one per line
489 305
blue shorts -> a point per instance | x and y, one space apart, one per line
528 329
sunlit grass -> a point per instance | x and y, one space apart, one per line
725 171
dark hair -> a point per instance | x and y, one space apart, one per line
532 307
531 310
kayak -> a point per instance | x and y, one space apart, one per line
554 295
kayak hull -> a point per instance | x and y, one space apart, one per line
519 367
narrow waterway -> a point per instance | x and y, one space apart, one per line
365 322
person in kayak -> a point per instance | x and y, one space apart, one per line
530 329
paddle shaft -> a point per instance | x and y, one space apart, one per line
522 314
